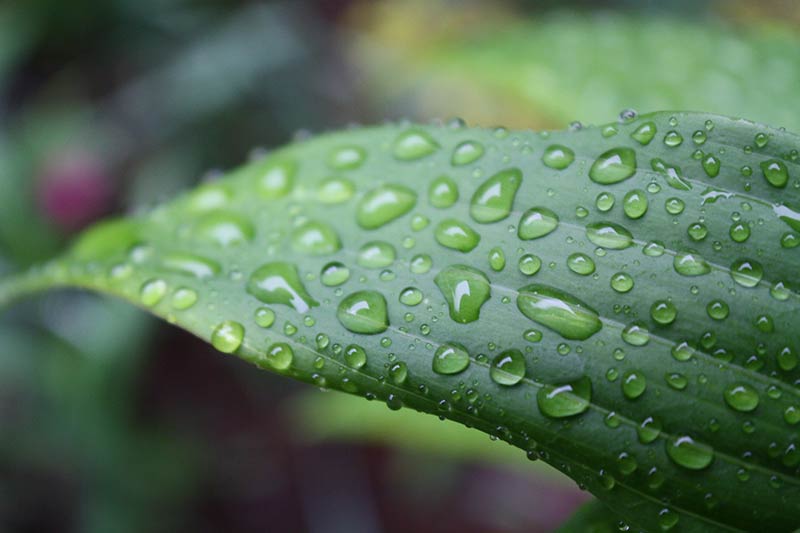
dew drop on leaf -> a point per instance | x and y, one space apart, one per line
609 235
613 166
363 312
384 204
279 283
376 254
562 312
494 198
465 289
227 336
450 358
566 399
741 397
688 453
334 274
558 157
537 222
466 153
414 144
508 368
454 234
152 292
442 192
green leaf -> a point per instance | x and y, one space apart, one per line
592 517
629 312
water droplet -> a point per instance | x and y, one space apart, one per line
787 359
279 357
672 174
466 289
622 282
454 234
564 400
414 144
676 380
633 384
411 296
279 283
227 336
775 172
636 334
334 274
508 368
690 264
653 249
274 177
558 157
667 519
443 192
627 463
648 430
420 264
613 166
497 259
363 312
208 197
376 254
699 137
315 238
604 202
746 272
711 165
335 190
644 133
264 317
688 453
450 358
664 312
347 157
559 311
398 372
580 264
190 264
741 397
674 206
609 235
673 138
224 229
635 203
183 298
152 292
384 204
537 222
355 356
467 152
697 231
494 198
529 264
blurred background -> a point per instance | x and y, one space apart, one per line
113 422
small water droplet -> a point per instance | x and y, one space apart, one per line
466 153
508 368
152 292
558 157
688 453
537 222
334 274
613 166
741 397
227 336
454 234
443 192
355 356
565 400
450 358
414 144
644 133
376 254
363 312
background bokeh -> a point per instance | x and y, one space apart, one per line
113 422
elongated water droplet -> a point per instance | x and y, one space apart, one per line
466 289
613 166
152 292
688 453
775 172
690 264
566 399
633 384
279 283
364 312
537 222
741 397
384 204
644 133
494 198
672 174
347 157
227 336
443 192
558 157
315 238
414 144
609 235
636 334
376 254
411 296
635 203
224 229
580 263
467 152
183 299
190 264
454 234
335 190
208 197
497 259
747 272
450 358
508 368
563 313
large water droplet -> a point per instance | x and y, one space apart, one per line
355 356
414 144
508 368
152 292
494 198
564 400
224 228
384 204
613 166
558 157
278 357
450 358
688 453
466 289
690 264
635 203
454 234
580 263
559 311
279 283
467 152
741 397
746 272
609 235
633 384
376 254
775 172
227 336
664 312
363 312
537 222
443 192
315 238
